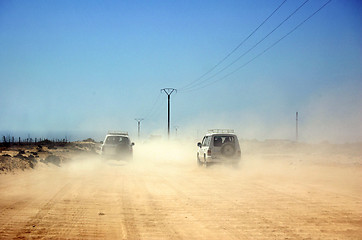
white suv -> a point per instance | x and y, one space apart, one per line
219 146
117 145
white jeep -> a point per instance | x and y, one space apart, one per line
117 145
219 146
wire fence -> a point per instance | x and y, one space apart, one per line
8 140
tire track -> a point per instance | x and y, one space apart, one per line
31 226
128 211
150 217
264 215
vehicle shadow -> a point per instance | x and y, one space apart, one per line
115 163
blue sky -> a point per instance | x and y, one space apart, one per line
68 66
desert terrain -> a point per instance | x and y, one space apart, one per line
281 190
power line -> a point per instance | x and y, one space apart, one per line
236 48
150 112
247 51
152 108
265 50
156 111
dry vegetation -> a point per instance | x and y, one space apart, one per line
29 156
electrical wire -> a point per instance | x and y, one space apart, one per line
247 51
156 111
265 50
152 108
236 48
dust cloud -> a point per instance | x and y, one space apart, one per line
163 194
270 159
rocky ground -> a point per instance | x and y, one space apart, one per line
28 156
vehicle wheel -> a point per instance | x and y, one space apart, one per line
228 150
199 163
206 164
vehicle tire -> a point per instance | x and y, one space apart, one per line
199 163
206 164
228 150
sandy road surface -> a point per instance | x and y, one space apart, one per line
163 199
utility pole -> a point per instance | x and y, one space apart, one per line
168 92
176 128
296 127
139 125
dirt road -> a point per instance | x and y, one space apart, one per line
174 199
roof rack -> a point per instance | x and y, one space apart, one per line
220 131
117 133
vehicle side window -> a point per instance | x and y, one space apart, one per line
124 140
206 141
203 141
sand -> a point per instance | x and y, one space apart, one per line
281 190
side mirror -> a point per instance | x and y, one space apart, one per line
199 144
132 144
101 142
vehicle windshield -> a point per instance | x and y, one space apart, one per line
220 140
117 140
